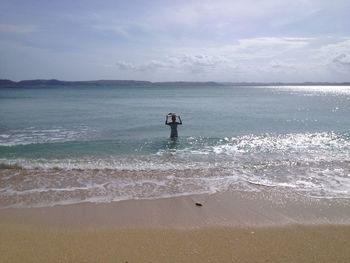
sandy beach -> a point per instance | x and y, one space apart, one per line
228 227
175 131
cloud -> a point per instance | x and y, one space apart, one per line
342 60
252 48
268 47
122 65
280 65
193 13
186 62
216 40
262 58
335 56
203 20
151 65
289 42
199 62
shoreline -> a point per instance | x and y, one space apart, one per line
228 227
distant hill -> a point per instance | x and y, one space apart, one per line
55 82
5 83
189 83
40 82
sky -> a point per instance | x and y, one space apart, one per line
221 40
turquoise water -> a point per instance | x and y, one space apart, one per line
110 143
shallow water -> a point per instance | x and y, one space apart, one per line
73 144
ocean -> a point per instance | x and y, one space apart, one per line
66 145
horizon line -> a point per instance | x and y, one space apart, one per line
176 81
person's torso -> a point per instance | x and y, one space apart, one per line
173 127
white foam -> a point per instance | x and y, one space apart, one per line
314 165
33 135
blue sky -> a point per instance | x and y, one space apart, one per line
241 40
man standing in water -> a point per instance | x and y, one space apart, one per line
173 124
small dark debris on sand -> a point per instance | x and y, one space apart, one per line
198 204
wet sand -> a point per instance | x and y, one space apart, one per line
229 227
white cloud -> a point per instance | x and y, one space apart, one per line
199 62
195 12
155 65
281 65
183 20
249 48
194 63
336 56
122 65
261 59
342 59
268 47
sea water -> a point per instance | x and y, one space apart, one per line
63 145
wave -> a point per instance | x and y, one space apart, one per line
311 164
187 153
36 187
33 135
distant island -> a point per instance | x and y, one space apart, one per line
6 83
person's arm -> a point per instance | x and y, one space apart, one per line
180 120
166 120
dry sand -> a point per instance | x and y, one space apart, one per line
25 243
229 227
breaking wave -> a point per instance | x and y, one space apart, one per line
311 164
